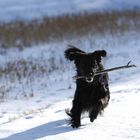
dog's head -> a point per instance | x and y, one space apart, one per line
86 63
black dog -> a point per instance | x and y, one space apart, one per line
92 92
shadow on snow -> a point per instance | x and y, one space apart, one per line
51 128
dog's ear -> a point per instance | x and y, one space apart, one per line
73 53
98 54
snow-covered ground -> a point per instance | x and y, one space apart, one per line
35 9
119 122
43 115
33 107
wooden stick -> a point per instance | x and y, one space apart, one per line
108 70
116 68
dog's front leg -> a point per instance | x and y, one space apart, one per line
76 114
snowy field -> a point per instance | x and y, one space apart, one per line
35 9
43 115
37 85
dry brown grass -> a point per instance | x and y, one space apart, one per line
21 34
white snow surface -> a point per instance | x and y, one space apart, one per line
120 120
43 116
36 9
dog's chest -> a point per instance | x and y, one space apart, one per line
89 94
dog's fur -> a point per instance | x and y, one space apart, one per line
91 95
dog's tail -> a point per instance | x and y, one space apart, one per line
68 112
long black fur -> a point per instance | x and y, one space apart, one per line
89 96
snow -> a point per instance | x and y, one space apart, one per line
36 9
43 116
119 122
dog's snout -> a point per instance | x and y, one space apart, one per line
91 74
